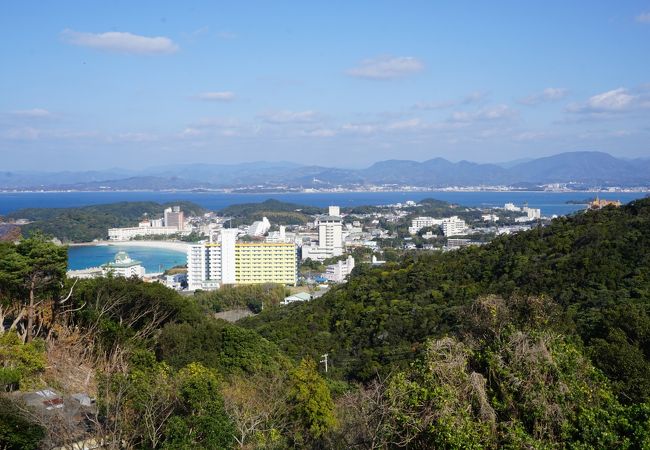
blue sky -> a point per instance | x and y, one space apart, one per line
92 85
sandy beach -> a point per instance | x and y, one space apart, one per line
168 245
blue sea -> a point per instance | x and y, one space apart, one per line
153 259
549 202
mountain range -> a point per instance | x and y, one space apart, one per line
586 169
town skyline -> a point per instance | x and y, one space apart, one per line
337 85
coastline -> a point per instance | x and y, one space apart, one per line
330 191
167 245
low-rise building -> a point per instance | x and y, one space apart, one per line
338 272
599 203
298 297
490 218
123 266
173 222
422 222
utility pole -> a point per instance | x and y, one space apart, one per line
324 360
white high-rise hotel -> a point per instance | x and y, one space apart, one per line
210 265
330 237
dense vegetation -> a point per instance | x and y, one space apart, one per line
595 266
538 340
253 296
274 210
87 223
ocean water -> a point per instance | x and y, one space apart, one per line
549 202
153 259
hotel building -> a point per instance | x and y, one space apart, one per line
210 265
330 237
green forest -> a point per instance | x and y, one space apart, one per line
274 210
540 340
87 223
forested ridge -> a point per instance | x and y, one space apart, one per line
537 340
86 223
594 267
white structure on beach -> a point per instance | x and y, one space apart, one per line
123 266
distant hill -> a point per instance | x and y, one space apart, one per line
587 169
87 223
274 210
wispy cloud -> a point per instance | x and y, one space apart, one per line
498 112
644 17
227 35
387 67
136 137
320 133
32 113
280 117
20 134
218 96
472 98
615 101
34 134
360 128
120 42
550 94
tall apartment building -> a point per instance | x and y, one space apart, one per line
174 217
453 226
330 237
227 261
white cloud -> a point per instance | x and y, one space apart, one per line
469 99
497 112
222 96
21 134
531 136
320 132
616 101
387 67
137 137
33 134
547 95
359 128
406 125
280 117
644 17
120 42
32 113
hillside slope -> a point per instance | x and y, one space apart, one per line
593 270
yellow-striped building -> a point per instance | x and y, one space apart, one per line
210 265
265 263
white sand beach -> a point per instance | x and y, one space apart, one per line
168 245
